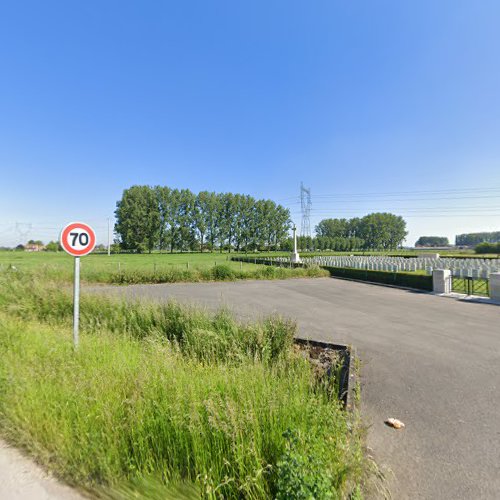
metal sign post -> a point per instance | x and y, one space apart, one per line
76 302
77 239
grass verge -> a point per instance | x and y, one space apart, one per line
169 402
222 272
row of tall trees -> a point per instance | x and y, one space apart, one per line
160 218
472 239
384 231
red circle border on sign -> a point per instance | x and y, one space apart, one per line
68 229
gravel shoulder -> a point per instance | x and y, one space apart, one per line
22 479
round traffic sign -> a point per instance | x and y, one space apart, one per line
77 239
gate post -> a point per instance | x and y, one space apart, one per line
494 279
441 281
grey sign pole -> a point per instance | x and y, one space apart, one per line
77 239
76 302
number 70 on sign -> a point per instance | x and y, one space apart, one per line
77 239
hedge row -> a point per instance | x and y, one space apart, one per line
407 280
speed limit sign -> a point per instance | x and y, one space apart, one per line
78 239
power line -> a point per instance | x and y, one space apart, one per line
452 215
397 193
487 193
412 209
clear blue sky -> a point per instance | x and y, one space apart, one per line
252 97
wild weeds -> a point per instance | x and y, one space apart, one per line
165 399
208 337
222 272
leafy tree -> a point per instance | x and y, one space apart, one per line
212 203
53 246
200 215
281 224
174 218
486 247
242 205
382 230
333 228
138 219
226 209
432 241
164 200
184 220
247 216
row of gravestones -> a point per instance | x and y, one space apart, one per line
477 268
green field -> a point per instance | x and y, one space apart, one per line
163 401
147 268
115 262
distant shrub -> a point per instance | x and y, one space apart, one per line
222 273
432 241
487 248
269 272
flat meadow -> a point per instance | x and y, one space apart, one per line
147 268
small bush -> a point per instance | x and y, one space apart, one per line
302 473
223 273
485 247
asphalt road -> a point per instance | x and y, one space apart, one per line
430 361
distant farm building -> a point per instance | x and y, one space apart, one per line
33 247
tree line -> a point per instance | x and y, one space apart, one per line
384 231
472 239
432 241
161 218
165 219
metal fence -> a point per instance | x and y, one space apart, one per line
470 286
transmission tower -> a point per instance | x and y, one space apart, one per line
23 230
305 205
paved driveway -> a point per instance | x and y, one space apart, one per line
433 362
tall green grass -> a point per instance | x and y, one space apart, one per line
211 337
171 274
166 399
222 272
